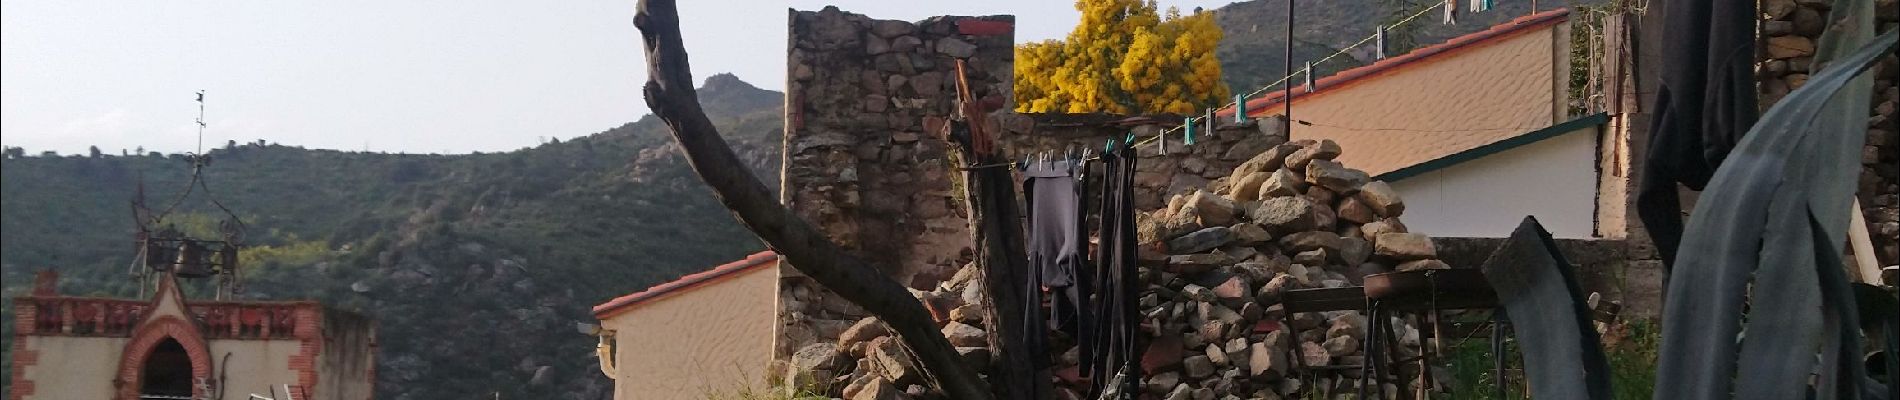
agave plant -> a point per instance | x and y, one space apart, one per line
1758 289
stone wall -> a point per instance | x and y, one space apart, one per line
859 163
865 163
1791 28
1216 262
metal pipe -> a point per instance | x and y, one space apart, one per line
1286 99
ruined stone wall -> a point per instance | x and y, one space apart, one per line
865 100
1791 29
859 163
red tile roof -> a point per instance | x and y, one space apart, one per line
688 282
1525 24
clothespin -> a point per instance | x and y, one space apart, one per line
1187 132
1481 5
1209 118
1240 109
1381 42
1309 77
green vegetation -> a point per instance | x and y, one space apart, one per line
476 266
1631 346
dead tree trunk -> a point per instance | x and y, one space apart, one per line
669 92
1000 255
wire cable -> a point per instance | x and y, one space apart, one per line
1270 86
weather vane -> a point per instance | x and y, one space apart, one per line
164 248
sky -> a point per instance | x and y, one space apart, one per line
421 76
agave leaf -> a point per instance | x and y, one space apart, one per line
1563 357
1764 208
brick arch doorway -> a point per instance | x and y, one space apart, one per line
167 371
166 358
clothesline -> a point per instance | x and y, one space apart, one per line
1308 70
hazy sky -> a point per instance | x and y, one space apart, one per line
409 76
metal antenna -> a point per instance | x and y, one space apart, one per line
201 121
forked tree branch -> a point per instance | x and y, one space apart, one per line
670 94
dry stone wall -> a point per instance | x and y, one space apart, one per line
859 162
865 99
1791 28
1217 261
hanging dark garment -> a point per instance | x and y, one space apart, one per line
1058 246
1705 104
1115 367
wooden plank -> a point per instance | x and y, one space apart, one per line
1865 269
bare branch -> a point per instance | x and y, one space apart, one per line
670 94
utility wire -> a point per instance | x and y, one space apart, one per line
1270 86
1284 79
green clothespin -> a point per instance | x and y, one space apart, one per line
1240 109
1187 132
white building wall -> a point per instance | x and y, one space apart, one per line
253 366
72 367
1553 179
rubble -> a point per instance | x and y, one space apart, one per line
1231 250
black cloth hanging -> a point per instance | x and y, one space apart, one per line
1058 246
1705 104
1115 367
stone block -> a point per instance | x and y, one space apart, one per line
1405 246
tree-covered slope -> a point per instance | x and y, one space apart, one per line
476 266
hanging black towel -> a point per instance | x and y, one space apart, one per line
1117 357
1705 104
1058 246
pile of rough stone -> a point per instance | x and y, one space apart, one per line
1216 265
1289 218
868 362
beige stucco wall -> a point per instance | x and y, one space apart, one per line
1553 179
346 369
1457 100
707 339
253 366
73 367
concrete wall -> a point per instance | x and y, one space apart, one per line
713 339
72 367
1468 96
77 367
346 368
254 366
1553 179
